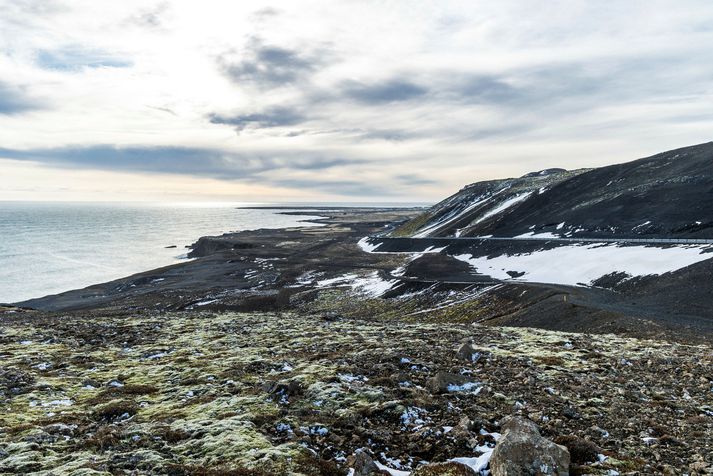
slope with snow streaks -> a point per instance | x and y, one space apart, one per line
668 195
479 205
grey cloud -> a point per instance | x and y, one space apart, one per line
14 100
393 90
151 17
267 66
359 134
352 188
178 160
272 117
414 180
486 89
265 12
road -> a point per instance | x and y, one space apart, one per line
652 241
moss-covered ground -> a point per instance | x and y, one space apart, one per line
265 393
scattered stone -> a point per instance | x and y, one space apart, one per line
290 388
467 353
580 450
442 381
444 469
571 413
522 451
331 316
364 465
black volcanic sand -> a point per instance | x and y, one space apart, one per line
279 270
250 269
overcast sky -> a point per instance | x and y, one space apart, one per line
339 100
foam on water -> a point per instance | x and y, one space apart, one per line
47 248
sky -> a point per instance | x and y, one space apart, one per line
339 100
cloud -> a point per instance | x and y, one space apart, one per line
271 117
483 89
268 66
14 100
74 58
414 180
393 90
351 188
151 17
446 91
264 13
178 160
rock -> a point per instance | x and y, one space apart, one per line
442 380
467 353
331 316
363 464
290 388
91 383
581 451
444 469
571 413
522 451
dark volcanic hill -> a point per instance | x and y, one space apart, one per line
666 195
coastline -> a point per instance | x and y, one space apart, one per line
295 351
289 269
53 248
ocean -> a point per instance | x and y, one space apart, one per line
48 248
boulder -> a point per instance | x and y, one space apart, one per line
581 451
441 382
467 353
364 465
444 469
522 451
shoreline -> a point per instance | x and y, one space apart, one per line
294 351
288 269
181 246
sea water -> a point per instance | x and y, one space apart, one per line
47 248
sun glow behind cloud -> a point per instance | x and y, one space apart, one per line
338 100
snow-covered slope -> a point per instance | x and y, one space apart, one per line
481 205
666 195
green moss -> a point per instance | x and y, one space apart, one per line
412 226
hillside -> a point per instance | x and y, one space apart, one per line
666 195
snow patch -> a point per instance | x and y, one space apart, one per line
366 246
504 206
470 387
476 464
371 285
392 472
582 264
532 234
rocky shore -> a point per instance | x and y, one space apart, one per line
297 352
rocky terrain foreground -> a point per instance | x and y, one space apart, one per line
314 393
369 346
